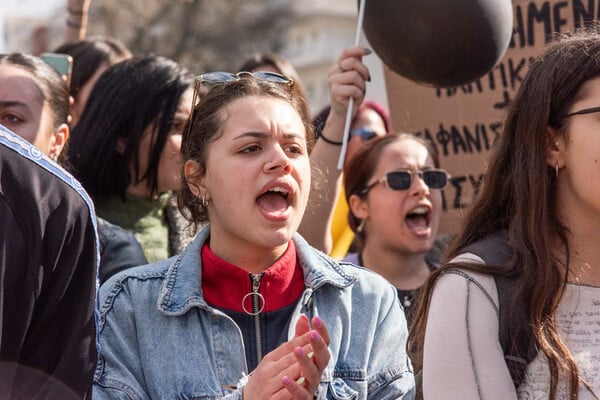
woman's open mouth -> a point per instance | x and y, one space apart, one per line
275 203
418 220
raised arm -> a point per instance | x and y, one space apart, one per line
77 20
347 79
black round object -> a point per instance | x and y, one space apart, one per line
443 43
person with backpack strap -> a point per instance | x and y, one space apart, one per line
516 339
514 311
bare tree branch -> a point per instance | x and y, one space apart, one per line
200 35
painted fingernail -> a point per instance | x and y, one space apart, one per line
368 51
369 78
300 352
318 322
286 380
314 335
300 380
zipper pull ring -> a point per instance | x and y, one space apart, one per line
258 302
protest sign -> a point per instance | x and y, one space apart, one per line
463 122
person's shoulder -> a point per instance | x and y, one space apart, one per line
31 172
142 280
341 272
44 200
119 250
147 272
132 291
462 274
367 279
454 280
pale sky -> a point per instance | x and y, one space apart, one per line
28 8
33 8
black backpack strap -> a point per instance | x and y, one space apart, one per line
493 249
514 334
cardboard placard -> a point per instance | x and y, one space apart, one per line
464 122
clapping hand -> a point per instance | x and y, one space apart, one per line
294 369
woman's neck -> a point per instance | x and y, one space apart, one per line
405 271
583 224
584 260
250 258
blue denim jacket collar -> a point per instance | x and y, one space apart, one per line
181 289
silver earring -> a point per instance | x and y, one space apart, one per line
556 169
203 201
361 226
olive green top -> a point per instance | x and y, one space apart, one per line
145 218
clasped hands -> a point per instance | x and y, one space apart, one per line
294 369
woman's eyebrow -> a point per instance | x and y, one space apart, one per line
264 135
13 103
257 135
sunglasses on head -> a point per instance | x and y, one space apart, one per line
220 77
365 133
211 79
401 180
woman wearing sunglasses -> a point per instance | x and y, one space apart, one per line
249 308
393 188
540 204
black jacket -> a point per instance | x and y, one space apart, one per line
48 262
119 250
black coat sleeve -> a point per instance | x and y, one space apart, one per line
48 258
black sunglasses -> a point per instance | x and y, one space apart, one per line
219 77
584 111
401 180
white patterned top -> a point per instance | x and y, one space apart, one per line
463 357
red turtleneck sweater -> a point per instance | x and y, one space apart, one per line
225 285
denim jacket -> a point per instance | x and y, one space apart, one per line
159 339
